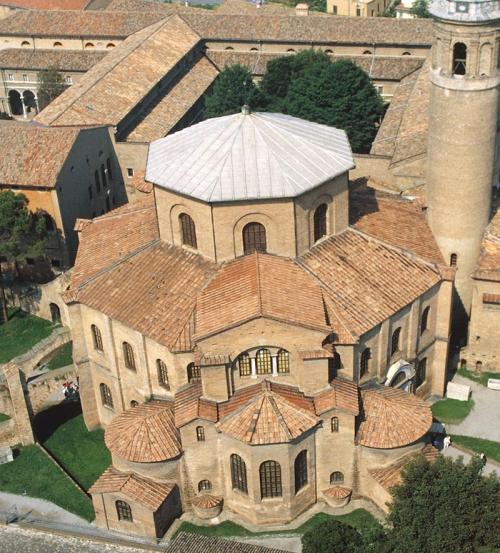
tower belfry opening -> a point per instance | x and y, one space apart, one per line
459 58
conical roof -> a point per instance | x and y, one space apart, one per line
248 156
268 419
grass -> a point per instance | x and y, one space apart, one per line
81 453
479 377
4 417
20 333
489 448
34 473
359 519
62 357
452 411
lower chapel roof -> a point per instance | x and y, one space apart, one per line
64 60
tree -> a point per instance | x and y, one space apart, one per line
420 8
233 89
22 234
444 507
50 86
338 94
332 536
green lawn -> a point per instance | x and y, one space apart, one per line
34 473
489 448
21 333
62 357
4 417
82 453
359 519
480 377
452 410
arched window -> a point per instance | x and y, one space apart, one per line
459 58
479 366
263 362
367 53
108 167
188 230
97 181
200 433
106 397
320 222
424 321
128 356
337 477
228 48
49 223
124 511
399 379
453 260
57 45
291 51
254 238
103 175
334 424
364 362
162 374
254 49
406 54
330 52
238 473
109 45
270 479
300 469
96 338
334 365
25 44
55 313
89 45
396 336
204 486
283 361
134 403
193 373
244 365
421 372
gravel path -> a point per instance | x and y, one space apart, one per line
454 452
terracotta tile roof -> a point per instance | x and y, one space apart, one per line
194 543
337 492
206 501
147 492
80 224
390 476
64 60
488 266
47 4
67 23
169 111
394 220
367 280
140 184
145 434
341 394
131 70
267 419
187 403
491 298
392 418
315 354
265 284
33 155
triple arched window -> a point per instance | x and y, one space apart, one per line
128 356
124 511
263 362
97 338
320 221
106 397
188 230
300 469
254 238
238 473
270 479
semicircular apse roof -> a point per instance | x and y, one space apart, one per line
248 157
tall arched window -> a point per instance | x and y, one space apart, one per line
334 365
128 356
204 486
188 230
106 397
424 321
238 473
396 338
55 313
270 479
254 238
263 362
162 374
97 181
421 372
244 365
283 360
200 434
193 373
334 424
124 511
320 222
453 260
300 469
337 477
97 338
459 58
103 175
364 362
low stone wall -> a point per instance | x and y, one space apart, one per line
48 384
7 433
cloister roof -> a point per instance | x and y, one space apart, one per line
64 60
249 156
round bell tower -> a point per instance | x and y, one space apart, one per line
463 124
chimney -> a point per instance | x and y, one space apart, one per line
302 9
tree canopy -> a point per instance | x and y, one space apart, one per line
420 8
332 536
50 85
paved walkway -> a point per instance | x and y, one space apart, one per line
455 453
285 543
484 419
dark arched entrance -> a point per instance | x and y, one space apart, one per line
16 105
55 313
29 102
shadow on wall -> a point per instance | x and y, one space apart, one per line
48 421
362 200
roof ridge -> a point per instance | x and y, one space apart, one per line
281 419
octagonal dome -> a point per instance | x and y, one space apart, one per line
248 156
466 11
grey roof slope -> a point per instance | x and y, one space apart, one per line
253 156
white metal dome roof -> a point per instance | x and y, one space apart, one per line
248 156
